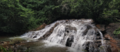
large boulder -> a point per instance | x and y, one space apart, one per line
111 28
101 27
41 27
112 40
113 43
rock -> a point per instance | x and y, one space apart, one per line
69 29
111 28
4 43
98 37
41 27
69 41
85 32
113 43
13 47
1 43
49 32
101 27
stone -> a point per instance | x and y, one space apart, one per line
111 28
41 27
113 43
101 27
49 32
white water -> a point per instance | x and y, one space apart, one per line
79 35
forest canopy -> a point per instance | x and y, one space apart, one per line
22 15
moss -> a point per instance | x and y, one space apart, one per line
2 49
117 31
16 39
84 50
50 49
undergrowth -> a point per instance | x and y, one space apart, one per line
117 31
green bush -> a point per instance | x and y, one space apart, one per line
2 49
16 18
22 15
117 31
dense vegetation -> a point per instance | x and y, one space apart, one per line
22 15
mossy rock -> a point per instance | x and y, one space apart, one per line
117 31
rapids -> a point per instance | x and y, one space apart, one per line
79 35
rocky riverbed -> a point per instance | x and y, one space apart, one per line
20 45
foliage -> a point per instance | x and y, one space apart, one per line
22 15
117 31
15 17
95 9
2 49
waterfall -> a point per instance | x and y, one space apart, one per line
80 35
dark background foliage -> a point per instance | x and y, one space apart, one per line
17 16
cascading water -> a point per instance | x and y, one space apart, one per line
79 35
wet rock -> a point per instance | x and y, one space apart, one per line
1 43
49 32
113 43
91 47
41 27
70 29
88 27
34 36
98 41
69 41
111 28
101 27
13 47
5 42
98 37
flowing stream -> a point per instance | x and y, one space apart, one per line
79 35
